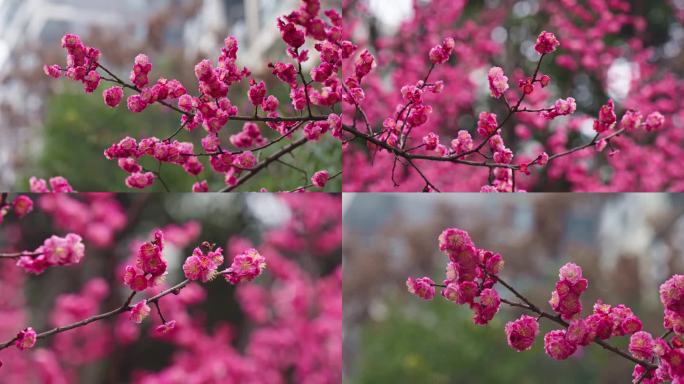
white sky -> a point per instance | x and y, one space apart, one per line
391 12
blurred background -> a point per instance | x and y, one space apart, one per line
627 245
41 119
283 327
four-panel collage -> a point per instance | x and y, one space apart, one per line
341 191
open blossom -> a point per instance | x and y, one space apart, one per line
26 339
557 346
257 92
441 53
364 64
565 299
140 180
139 312
320 179
498 82
149 265
641 345
53 71
562 107
672 294
578 333
54 251
431 141
631 120
64 250
654 121
463 142
487 307
112 96
201 266
522 332
421 287
141 68
606 118
136 103
246 267
546 43
486 124
22 205
454 239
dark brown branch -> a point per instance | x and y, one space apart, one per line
266 162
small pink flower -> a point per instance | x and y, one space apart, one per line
487 307
631 120
454 239
486 124
63 250
570 272
546 43
290 34
320 179
606 118
641 345
112 96
53 71
421 287
26 339
139 180
577 332
364 64
135 279
462 143
202 267
246 267
139 312
467 291
257 92
654 121
543 158
431 141
494 264
200 186
672 294
498 82
60 185
165 328
522 332
22 205
557 346
441 53
136 103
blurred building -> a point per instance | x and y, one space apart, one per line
252 22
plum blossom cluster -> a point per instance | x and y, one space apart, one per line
429 124
55 251
470 276
150 267
212 109
471 273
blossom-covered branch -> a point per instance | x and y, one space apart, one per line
415 112
149 271
472 273
212 108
